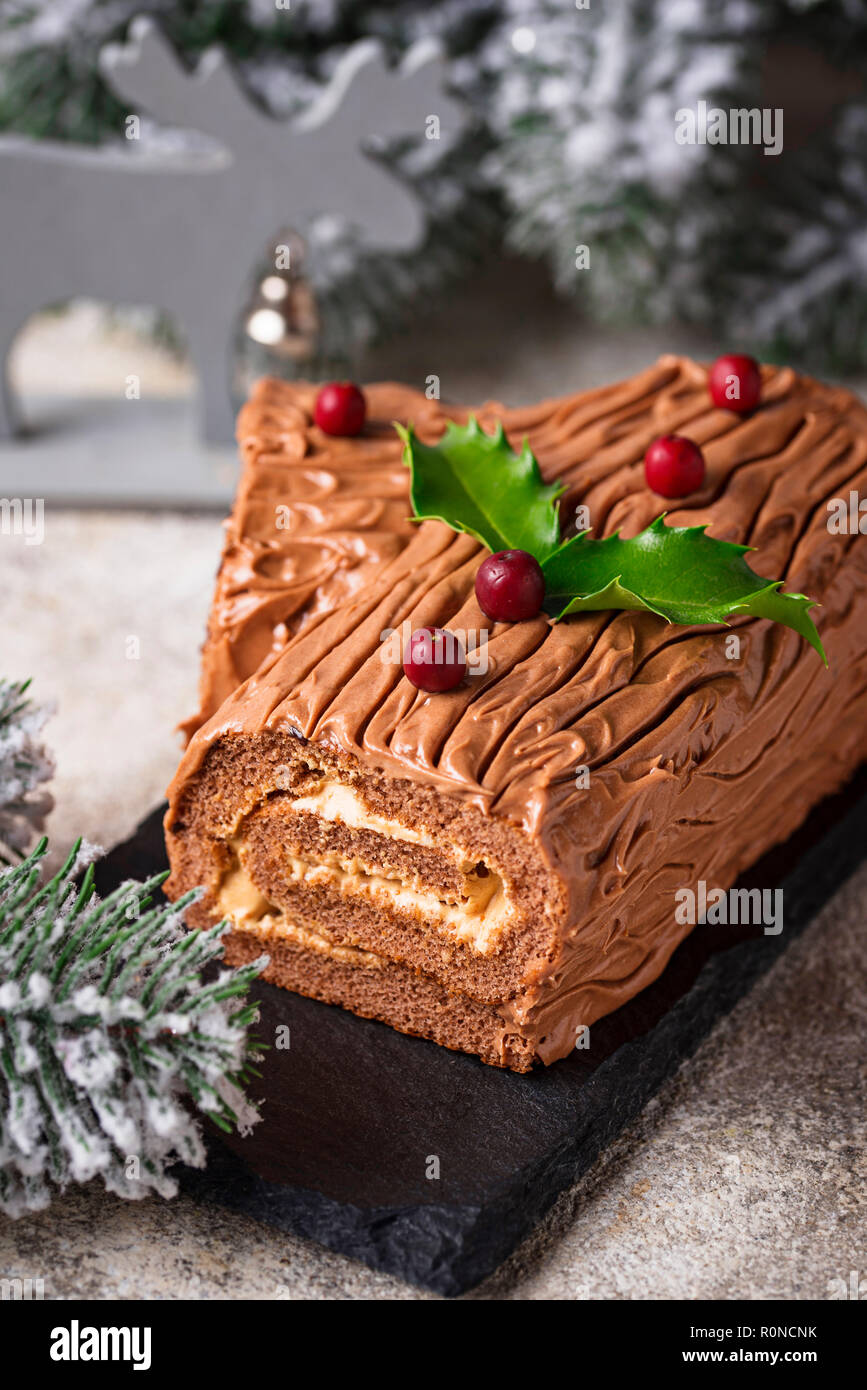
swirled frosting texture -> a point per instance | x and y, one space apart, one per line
701 753
314 516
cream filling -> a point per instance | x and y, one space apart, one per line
334 801
475 895
479 924
478 919
240 900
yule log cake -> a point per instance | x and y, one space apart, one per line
495 866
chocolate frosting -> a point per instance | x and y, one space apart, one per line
314 517
699 760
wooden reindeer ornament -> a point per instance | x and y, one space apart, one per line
179 230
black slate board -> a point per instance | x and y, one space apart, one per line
354 1112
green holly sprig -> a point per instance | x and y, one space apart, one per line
476 483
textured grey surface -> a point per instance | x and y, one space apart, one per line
744 1178
72 605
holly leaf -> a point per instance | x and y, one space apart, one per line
680 573
475 482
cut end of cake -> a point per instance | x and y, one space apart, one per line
365 891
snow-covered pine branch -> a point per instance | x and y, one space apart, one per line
109 1037
24 765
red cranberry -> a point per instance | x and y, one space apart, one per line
510 586
674 466
340 408
735 382
434 659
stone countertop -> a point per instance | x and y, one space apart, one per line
744 1178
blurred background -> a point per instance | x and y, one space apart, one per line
568 141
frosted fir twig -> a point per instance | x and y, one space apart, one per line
24 764
109 1038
